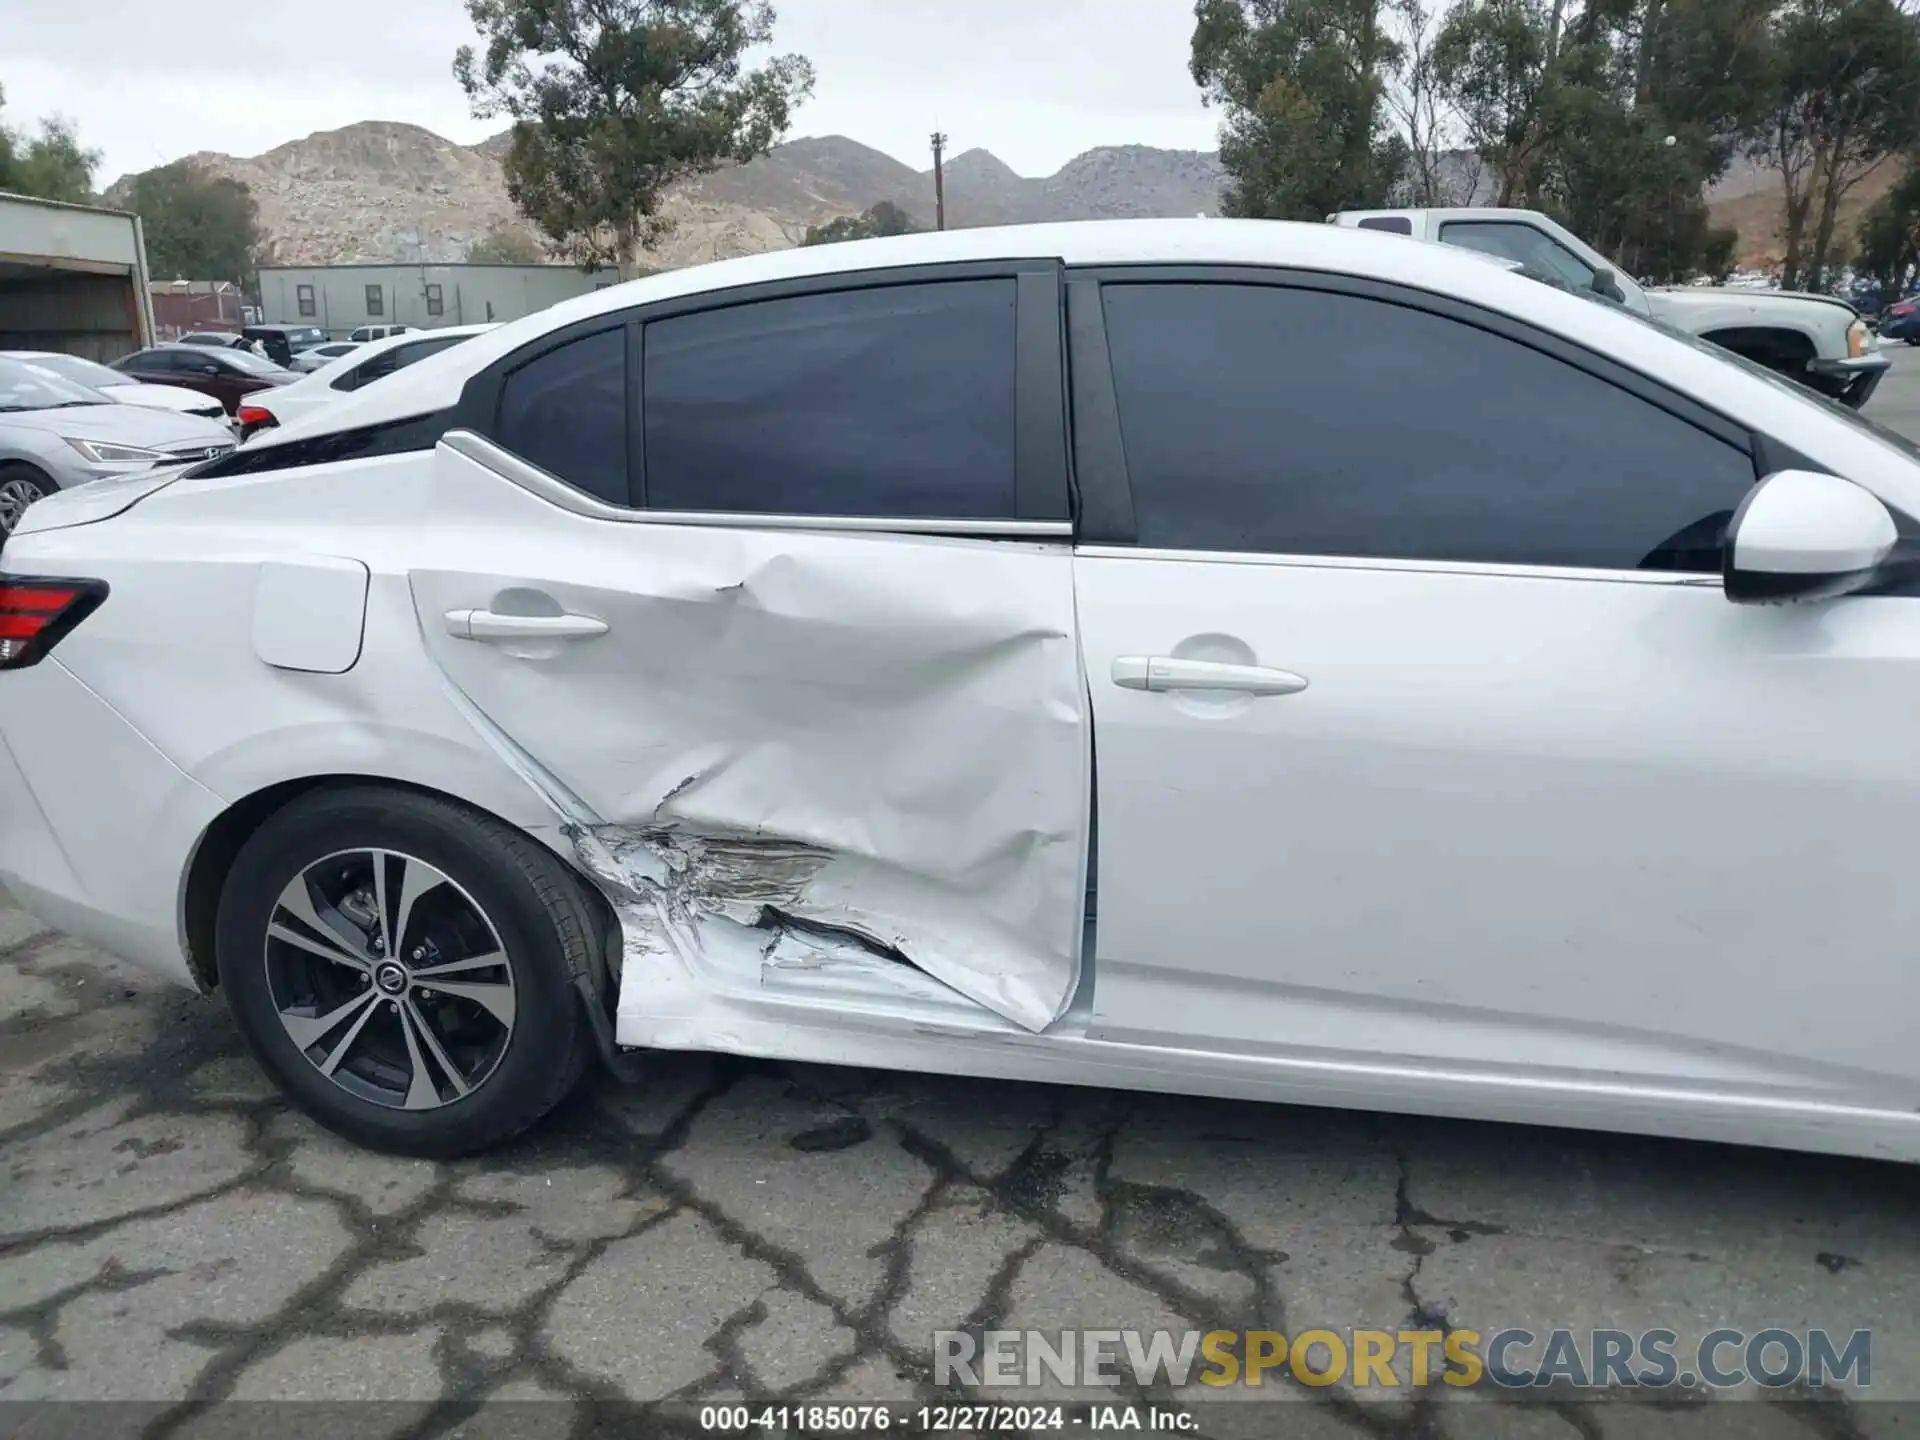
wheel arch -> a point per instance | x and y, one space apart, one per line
1766 344
227 834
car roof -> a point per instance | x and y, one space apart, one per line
367 349
435 384
364 350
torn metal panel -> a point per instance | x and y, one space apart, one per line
884 735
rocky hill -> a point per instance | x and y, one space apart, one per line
382 191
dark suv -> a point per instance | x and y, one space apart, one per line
283 342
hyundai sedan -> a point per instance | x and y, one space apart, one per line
1209 656
55 434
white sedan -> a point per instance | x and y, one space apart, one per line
359 366
320 356
1212 656
121 389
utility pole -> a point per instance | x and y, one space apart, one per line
939 182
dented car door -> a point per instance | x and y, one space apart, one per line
774 601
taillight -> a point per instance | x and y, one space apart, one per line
35 613
254 417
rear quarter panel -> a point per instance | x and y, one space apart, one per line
174 649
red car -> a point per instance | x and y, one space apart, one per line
227 375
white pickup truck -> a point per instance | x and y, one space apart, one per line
1815 339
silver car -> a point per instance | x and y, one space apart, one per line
321 356
55 434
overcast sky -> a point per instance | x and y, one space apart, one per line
1034 81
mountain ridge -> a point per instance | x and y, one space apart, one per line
389 191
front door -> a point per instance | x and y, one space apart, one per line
1427 738
830 722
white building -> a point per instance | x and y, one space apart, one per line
341 298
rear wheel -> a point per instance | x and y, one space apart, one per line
20 486
405 968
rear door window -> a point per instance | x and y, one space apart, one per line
894 402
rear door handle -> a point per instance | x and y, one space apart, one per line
486 625
1163 672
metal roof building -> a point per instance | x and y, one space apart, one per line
342 298
73 278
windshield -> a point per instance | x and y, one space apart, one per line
27 387
81 372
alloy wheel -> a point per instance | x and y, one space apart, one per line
15 496
390 979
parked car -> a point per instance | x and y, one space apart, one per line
281 343
308 361
360 367
1479 685
226 375
122 389
1818 340
379 332
1901 321
54 433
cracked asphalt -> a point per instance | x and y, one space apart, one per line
172 1233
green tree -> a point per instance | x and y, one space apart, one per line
1889 235
50 165
1842 94
198 226
504 245
886 218
613 101
1492 61
1302 86
1613 116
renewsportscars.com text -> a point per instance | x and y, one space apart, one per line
1511 1358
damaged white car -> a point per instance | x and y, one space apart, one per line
1223 657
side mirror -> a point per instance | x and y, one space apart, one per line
1608 288
1800 535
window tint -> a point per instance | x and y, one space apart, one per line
566 411
895 401
1392 224
415 353
1294 421
1532 247
396 358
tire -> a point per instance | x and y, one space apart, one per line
20 486
410 1064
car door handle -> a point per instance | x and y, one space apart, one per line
486 625
1164 672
